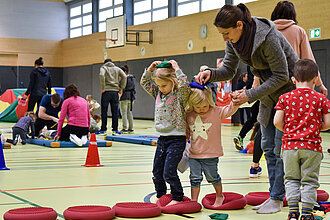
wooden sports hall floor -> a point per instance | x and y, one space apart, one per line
48 177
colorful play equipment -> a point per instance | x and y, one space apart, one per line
134 139
2 158
64 144
137 210
89 212
35 213
11 106
232 201
185 207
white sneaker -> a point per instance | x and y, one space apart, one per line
76 140
84 139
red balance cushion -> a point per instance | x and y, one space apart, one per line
256 198
322 195
35 213
137 210
184 207
232 201
89 212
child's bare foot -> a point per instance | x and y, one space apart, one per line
218 201
173 202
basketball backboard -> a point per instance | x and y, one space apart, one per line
116 30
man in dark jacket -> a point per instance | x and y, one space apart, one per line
39 80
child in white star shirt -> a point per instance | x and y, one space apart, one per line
299 115
203 124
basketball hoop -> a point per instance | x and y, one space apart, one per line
106 43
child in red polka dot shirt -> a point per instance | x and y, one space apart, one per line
299 115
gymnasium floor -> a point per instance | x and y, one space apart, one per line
48 177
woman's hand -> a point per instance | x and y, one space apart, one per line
239 97
152 66
323 90
203 77
55 119
56 138
175 65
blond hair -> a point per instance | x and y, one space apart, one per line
166 74
198 96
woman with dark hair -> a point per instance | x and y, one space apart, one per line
76 109
39 80
256 42
284 17
126 102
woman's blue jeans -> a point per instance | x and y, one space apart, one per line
271 142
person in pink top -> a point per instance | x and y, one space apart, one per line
284 17
203 125
76 109
299 115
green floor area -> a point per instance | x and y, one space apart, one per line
54 177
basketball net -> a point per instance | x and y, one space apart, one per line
105 42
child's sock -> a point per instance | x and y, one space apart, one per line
307 209
293 206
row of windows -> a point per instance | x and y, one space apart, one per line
145 11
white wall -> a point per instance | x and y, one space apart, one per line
33 19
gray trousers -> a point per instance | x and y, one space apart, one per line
126 113
301 168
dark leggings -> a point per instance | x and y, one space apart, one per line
21 133
71 129
257 151
32 102
248 125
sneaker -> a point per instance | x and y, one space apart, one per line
76 140
124 131
238 143
103 133
308 217
115 132
255 172
130 131
84 139
293 216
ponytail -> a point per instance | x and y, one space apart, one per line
229 15
39 62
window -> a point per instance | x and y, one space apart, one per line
81 19
109 9
150 10
186 7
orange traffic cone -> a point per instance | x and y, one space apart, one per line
92 159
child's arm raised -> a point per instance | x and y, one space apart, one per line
146 81
279 119
229 110
183 83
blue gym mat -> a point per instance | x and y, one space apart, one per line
62 144
134 139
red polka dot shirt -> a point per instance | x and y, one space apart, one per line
303 108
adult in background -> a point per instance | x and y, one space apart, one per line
40 81
47 112
257 43
284 17
76 110
242 84
126 102
112 80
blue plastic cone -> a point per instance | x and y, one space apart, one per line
2 158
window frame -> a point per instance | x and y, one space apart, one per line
151 11
112 7
81 15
